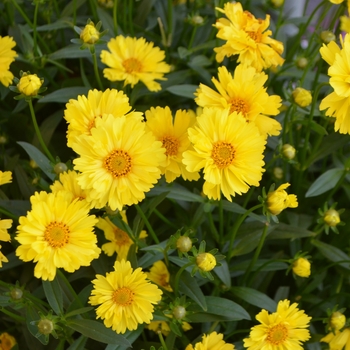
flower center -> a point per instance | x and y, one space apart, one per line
223 154
276 335
57 234
132 65
121 237
123 296
239 105
171 145
118 163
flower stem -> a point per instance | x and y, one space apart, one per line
162 341
148 225
177 277
7 213
38 133
97 74
115 19
35 33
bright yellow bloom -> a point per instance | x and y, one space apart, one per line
7 56
159 326
337 2
125 297
5 177
160 275
279 200
2 259
134 60
338 340
212 341
173 135
57 233
283 329
118 162
247 37
7 341
345 24
337 321
302 267
229 150
81 114
4 226
302 97
206 261
331 218
29 84
90 34
243 93
288 151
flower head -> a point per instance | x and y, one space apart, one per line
2 258
229 150
173 135
125 297
302 267
206 261
247 37
57 233
118 162
29 84
134 60
331 217
4 226
302 97
279 200
7 341
5 177
160 275
7 56
338 340
283 329
90 34
212 341
337 321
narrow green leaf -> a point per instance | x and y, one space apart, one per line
184 90
65 94
177 192
131 336
223 273
189 286
236 208
72 5
78 344
78 311
284 231
17 207
53 295
70 51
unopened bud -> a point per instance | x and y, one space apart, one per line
184 244
45 326
206 261
302 62
337 321
327 36
179 312
60 168
16 293
302 97
331 217
288 151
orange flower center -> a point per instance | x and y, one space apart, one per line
132 65
276 335
239 105
223 154
123 296
171 144
57 234
121 237
118 163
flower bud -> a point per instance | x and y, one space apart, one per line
279 200
29 84
33 164
45 326
90 34
302 97
60 168
197 20
337 321
106 3
301 267
278 172
288 151
206 261
331 217
3 140
179 312
7 341
277 3
16 293
302 62
184 244
327 36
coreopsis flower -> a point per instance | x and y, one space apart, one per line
338 340
302 267
302 97
118 162
243 93
90 34
7 56
2 258
247 37
57 233
29 84
160 275
337 2
5 177
337 321
134 60
331 217
279 200
229 150
7 341
212 341
206 261
173 135
81 114
288 151
159 327
5 224
125 297
283 329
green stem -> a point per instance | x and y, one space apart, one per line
336 187
97 74
163 218
69 286
35 33
162 341
148 225
12 315
194 31
130 17
221 219
177 277
213 228
115 19
38 133
7 213
170 22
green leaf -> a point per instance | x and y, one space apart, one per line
236 208
177 192
131 336
254 297
70 51
32 317
284 231
53 295
223 273
261 265
17 207
65 94
79 311
184 90
39 158
78 344
97 331
71 7
59 24
332 253
325 182
27 189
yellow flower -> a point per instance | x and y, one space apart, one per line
2 259
90 34
337 2
243 93
7 56
206 261
7 341
338 340
57 233
4 226
283 329
125 297
159 326
81 114
174 138
247 37
279 200
302 267
212 341
118 162
345 24
331 218
277 3
302 97
337 321
288 151
5 177
134 60
160 275
229 149
29 84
